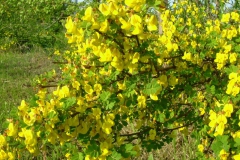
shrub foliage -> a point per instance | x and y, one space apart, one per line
132 65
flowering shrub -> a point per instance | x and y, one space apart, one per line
158 72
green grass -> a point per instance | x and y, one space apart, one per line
17 71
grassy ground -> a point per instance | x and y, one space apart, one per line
17 71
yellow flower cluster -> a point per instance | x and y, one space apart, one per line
5 155
218 120
233 86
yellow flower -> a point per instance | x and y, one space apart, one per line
106 56
12 130
11 156
68 155
3 141
221 119
64 92
228 109
138 29
236 157
152 23
83 129
30 138
104 26
219 129
76 84
135 4
70 26
113 8
233 75
213 118
121 86
132 67
235 91
225 17
87 157
235 16
233 57
95 25
141 101
88 89
187 56
71 38
200 147
227 48
152 134
104 148
136 21
125 25
103 8
3 155
154 97
30 118
173 80
88 14
23 107
97 88
202 111
107 126
96 112
163 80
223 155
136 57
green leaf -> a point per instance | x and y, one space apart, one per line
221 142
157 3
152 87
161 117
237 142
238 112
237 48
93 149
202 55
115 155
213 89
238 40
110 105
130 85
231 69
105 95
114 75
236 99
80 156
90 73
126 150
150 157
171 114
128 147
69 102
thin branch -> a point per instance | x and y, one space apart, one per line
59 62
47 86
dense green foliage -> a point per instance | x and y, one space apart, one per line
25 23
